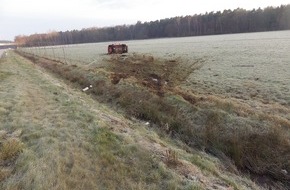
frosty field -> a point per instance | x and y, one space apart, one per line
244 66
226 95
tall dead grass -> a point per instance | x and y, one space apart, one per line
10 148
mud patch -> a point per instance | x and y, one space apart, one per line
157 74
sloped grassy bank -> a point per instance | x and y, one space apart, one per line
53 136
148 88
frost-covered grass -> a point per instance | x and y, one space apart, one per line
56 137
237 102
244 66
149 89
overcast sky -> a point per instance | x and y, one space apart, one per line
24 17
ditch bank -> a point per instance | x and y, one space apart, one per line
148 88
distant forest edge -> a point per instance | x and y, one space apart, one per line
226 22
5 42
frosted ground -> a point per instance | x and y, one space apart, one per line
245 66
1 52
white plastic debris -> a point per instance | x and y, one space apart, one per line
284 172
147 123
85 89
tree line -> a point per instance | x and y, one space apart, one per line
226 22
5 42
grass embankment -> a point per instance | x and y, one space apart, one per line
147 88
53 137
56 137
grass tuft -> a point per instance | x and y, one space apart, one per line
10 148
171 157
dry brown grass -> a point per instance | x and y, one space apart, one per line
10 148
171 157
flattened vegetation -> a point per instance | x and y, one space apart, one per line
157 74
